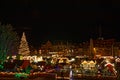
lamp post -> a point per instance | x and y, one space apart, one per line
94 52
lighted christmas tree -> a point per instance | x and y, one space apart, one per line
24 48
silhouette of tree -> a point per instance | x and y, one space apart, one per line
9 41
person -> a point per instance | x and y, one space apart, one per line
99 68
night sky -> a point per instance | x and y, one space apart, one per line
70 20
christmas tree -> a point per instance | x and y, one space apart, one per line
24 48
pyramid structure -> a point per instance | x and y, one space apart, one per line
23 48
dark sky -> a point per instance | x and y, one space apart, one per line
72 20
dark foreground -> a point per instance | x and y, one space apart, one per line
52 76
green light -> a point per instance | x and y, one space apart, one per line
19 75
